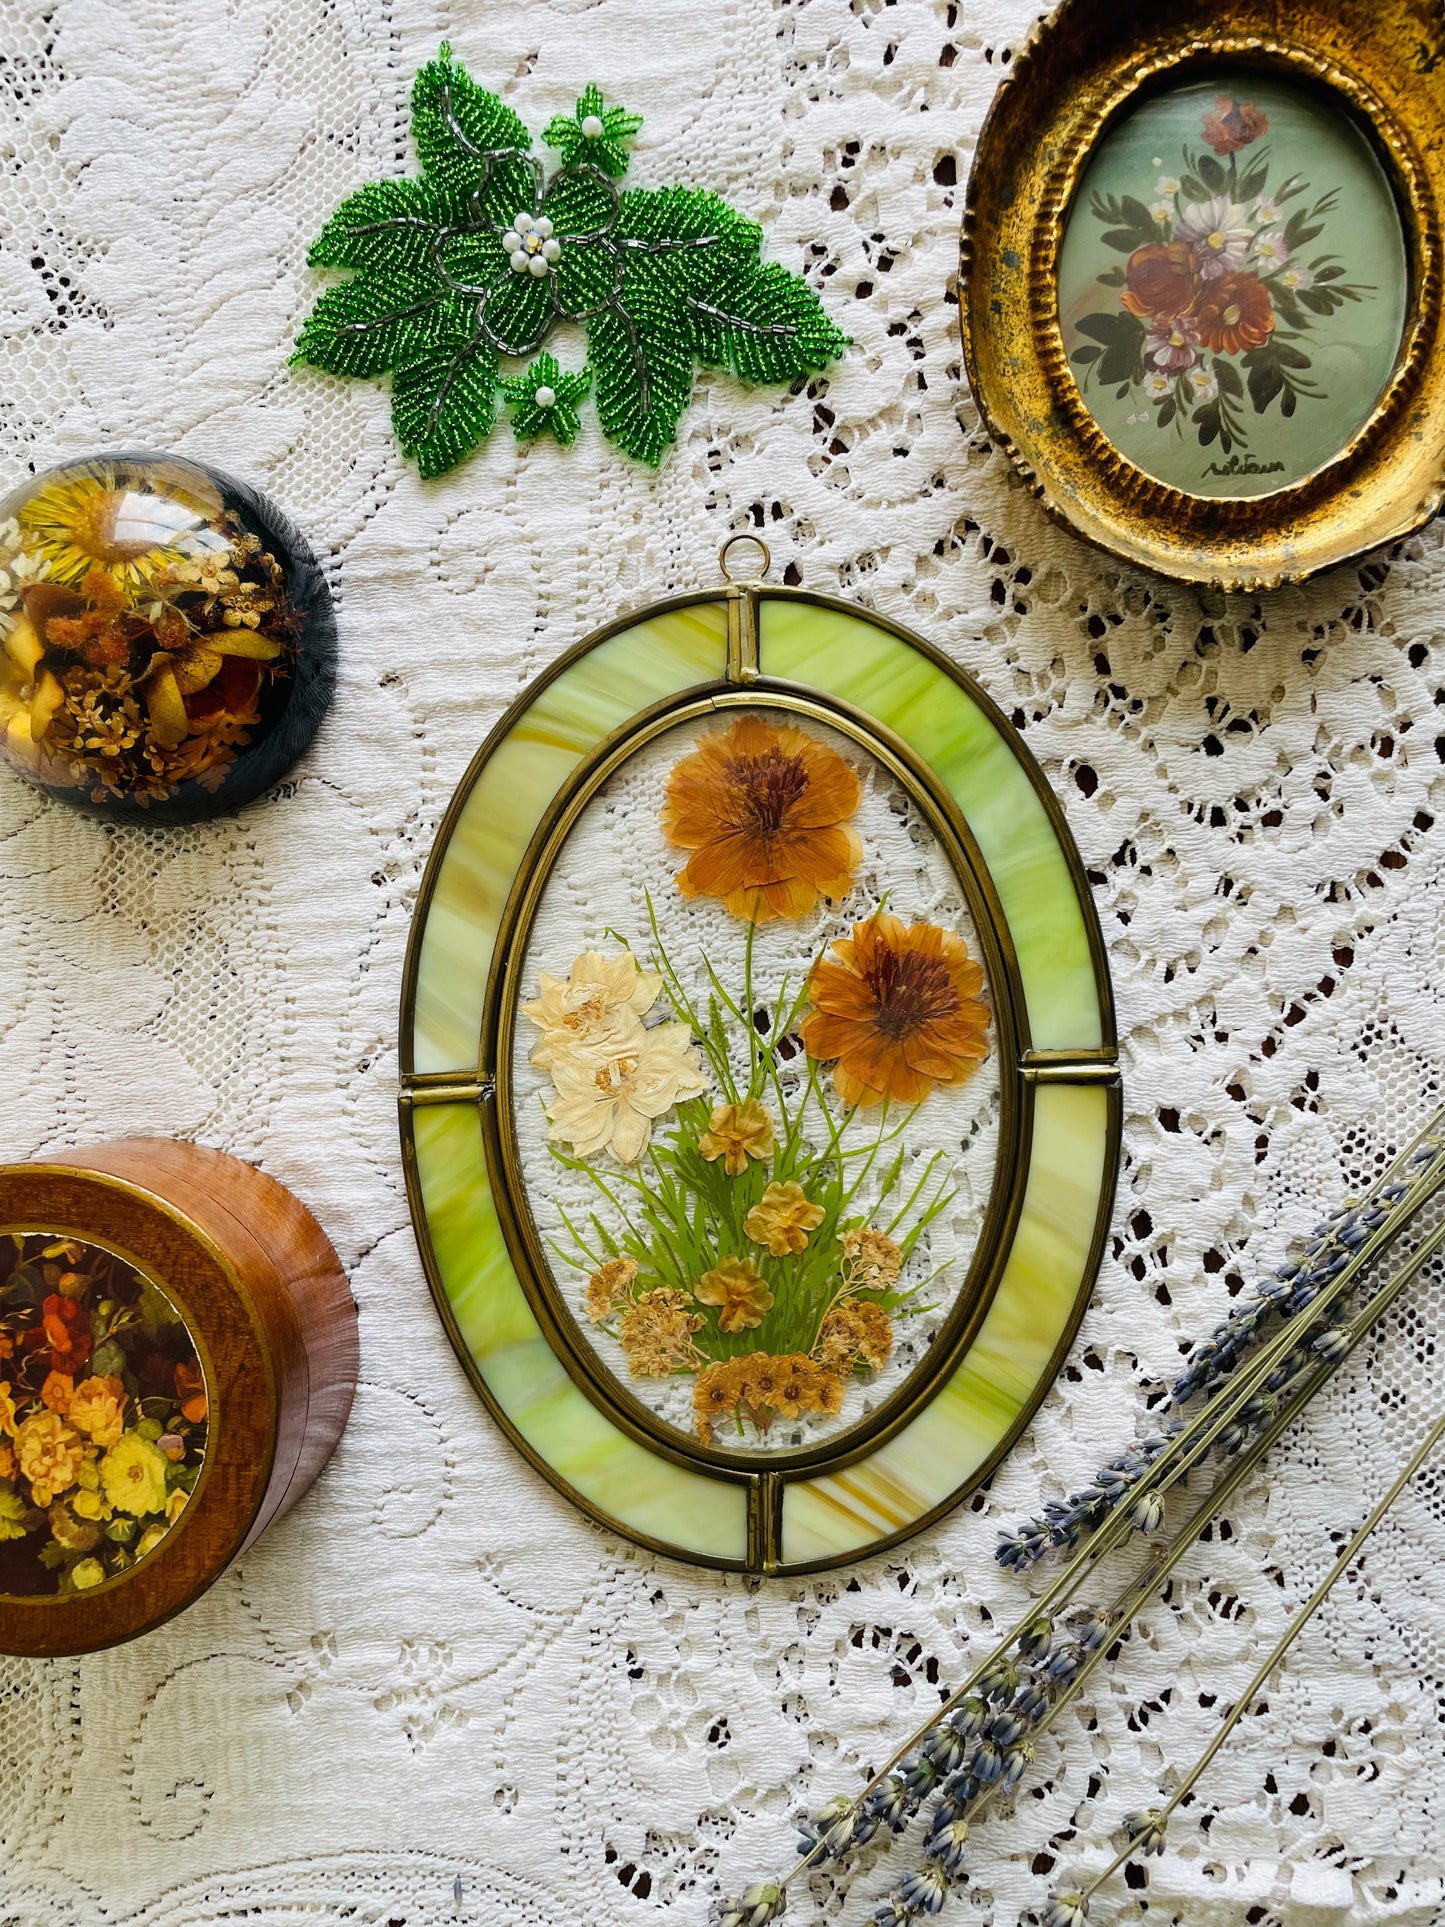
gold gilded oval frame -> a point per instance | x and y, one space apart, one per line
1081 69
505 990
517 1342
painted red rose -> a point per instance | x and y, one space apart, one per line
1234 124
67 1331
1162 280
1234 313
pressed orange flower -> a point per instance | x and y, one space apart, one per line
765 811
736 1286
898 1012
782 1219
737 1132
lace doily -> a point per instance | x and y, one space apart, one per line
434 1671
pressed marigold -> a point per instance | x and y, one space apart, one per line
782 1219
763 1386
606 1285
656 1333
896 1007
764 811
736 1286
737 1132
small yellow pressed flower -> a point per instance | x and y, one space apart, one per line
607 1284
88 1573
51 1454
737 1132
871 1260
852 1331
782 1219
737 1288
134 1476
656 1333
97 1408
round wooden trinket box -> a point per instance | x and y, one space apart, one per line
178 1354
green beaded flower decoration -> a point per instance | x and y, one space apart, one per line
482 257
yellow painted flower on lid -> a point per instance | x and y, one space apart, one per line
51 1454
12 1512
133 1474
97 1408
782 1219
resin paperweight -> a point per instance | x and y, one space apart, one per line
178 1353
167 645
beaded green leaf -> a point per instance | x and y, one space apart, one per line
483 257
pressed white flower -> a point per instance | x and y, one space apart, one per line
601 1001
609 1096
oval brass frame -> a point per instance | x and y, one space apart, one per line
584 1365
1080 69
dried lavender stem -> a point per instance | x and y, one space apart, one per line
1281 1646
1195 1439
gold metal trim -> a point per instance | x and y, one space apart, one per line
1103 990
510 1192
1080 69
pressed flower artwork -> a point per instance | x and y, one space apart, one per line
1233 284
161 648
754 1079
103 1415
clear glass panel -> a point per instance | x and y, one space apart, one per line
103 1415
755 1080
1233 283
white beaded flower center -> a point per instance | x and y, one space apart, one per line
531 246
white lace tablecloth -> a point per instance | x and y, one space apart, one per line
434 1672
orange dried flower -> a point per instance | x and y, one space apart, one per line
737 1132
782 1219
765 811
898 1011
736 1286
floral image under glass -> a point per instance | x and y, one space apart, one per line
755 1080
103 1415
165 638
1233 284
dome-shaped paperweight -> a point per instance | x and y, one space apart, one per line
167 645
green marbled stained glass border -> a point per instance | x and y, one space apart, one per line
480 852
838 1515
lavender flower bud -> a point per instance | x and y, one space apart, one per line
1148 1512
1000 1684
945 1748
1032 1702
1146 1830
758 1906
946 1845
925 1891
889 1913
1091 1631
1016 1762
830 1832
1066 1910
1064 1662
987 1763
1332 1345
967 1717
1034 1640
920 1776
889 1801
1006 1729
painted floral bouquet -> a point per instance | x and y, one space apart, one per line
103 1415
762 1242
1218 291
